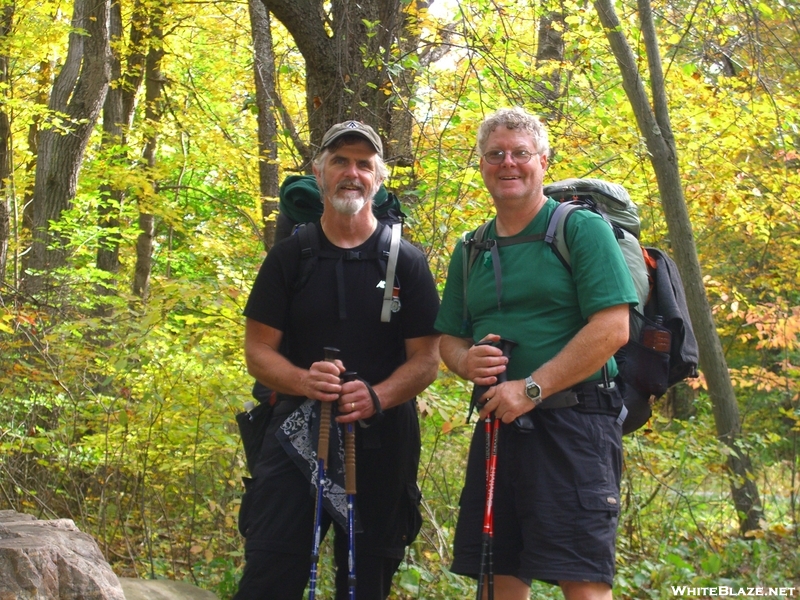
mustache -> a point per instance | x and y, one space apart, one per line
347 183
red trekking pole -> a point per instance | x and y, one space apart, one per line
491 429
322 457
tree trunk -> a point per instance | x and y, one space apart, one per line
113 137
264 72
346 45
144 255
679 402
154 84
117 116
404 87
550 53
654 124
78 94
43 79
6 20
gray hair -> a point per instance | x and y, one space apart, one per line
514 118
381 170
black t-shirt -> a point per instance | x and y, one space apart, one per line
387 453
310 317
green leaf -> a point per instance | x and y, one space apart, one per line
409 581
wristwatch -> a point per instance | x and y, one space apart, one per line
533 391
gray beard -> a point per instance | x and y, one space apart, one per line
348 206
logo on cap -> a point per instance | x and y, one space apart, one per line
353 127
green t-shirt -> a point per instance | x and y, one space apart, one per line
543 306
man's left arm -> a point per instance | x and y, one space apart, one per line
586 353
409 379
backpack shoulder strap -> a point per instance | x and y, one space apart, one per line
308 235
472 242
556 235
391 268
309 238
388 249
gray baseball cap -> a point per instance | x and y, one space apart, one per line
353 128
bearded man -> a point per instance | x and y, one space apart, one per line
290 320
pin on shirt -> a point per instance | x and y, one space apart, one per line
395 306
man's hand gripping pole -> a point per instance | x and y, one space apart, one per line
491 429
322 458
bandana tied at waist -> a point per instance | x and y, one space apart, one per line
298 436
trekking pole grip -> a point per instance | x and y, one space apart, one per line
350 460
325 415
506 346
349 447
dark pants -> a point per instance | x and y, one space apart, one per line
278 510
286 577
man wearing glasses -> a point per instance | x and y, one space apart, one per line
556 496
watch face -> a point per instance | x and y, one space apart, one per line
533 391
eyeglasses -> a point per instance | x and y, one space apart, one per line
520 157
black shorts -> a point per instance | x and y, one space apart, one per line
556 502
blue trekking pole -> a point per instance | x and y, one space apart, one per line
350 490
322 458
491 429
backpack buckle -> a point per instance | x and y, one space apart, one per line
486 244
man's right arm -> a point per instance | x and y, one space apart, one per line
478 363
266 364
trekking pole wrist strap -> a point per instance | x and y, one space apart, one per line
376 404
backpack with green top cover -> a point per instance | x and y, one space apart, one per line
646 373
299 202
